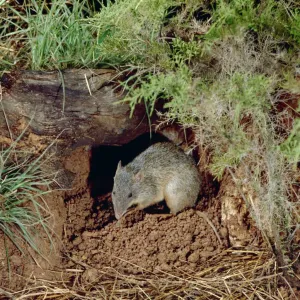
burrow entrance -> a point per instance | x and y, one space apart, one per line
104 161
142 240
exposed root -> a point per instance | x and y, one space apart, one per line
204 216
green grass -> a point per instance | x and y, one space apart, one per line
277 18
60 35
23 212
49 36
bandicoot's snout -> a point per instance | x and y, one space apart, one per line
118 213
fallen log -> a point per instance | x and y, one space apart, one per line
78 105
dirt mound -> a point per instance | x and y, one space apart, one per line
140 240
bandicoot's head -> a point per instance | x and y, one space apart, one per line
126 190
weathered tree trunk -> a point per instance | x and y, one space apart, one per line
78 105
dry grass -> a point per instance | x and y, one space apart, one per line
234 274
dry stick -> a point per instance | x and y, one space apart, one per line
63 89
7 294
87 84
205 217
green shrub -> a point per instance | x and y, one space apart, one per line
275 18
132 31
161 86
291 146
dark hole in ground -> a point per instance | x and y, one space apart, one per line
104 161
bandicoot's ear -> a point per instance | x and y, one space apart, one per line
138 176
119 167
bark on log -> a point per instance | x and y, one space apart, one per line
86 115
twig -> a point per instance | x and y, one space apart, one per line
6 293
204 216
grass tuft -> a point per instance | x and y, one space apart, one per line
45 35
23 184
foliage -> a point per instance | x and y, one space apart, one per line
50 36
275 17
22 186
161 86
132 31
291 146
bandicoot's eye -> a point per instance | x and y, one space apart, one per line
130 195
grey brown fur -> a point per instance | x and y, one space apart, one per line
163 171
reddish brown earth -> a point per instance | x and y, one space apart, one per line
141 240
87 235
